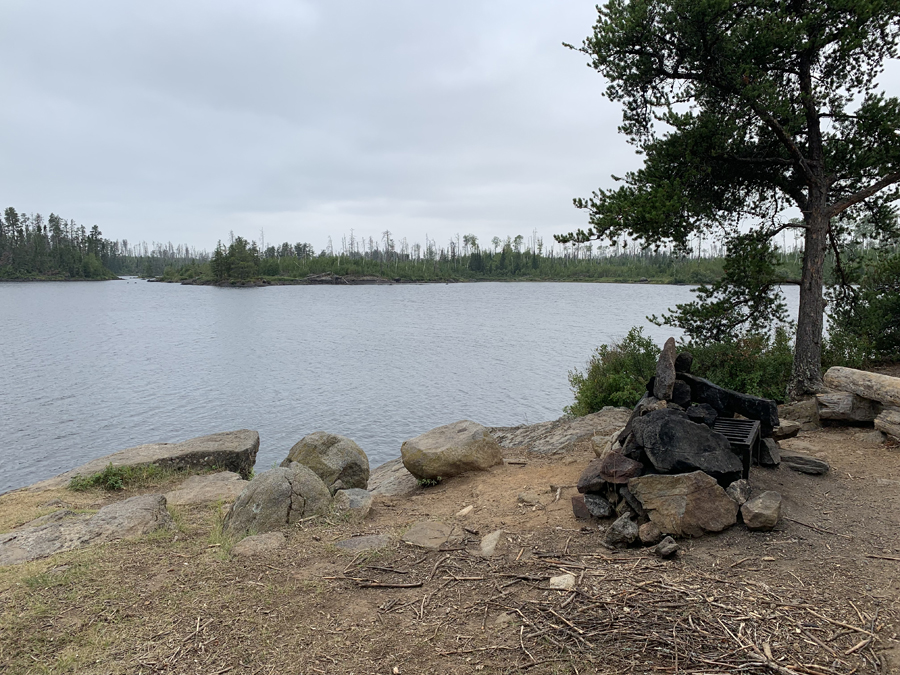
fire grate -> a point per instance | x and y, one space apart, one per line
744 438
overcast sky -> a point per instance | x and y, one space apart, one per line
180 121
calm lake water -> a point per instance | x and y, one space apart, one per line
88 368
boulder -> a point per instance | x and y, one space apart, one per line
665 372
739 491
702 413
787 429
681 394
647 404
338 461
689 504
683 362
762 512
888 421
769 452
451 450
675 444
561 435
726 400
623 532
353 502
129 518
392 480
258 544
224 486
277 498
804 463
805 413
230 451
428 534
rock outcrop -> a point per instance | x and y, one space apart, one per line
277 498
230 451
129 518
224 486
451 450
392 480
548 438
338 461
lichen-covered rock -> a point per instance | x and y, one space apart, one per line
451 450
277 498
739 491
353 502
338 461
689 504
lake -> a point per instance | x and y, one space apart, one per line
89 368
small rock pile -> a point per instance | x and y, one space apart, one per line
668 472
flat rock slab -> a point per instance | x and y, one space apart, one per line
391 479
549 438
230 450
689 504
428 534
367 543
224 486
258 544
129 518
804 463
489 542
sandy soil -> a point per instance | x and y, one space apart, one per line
820 594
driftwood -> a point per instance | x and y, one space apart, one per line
889 421
844 405
882 388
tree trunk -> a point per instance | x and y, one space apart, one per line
806 376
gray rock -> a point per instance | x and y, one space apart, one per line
688 504
603 445
129 518
528 498
338 461
597 506
762 512
739 491
666 548
631 501
489 542
230 451
787 429
681 394
258 544
769 452
804 463
870 438
563 582
392 480
649 534
428 534
674 444
548 438
726 400
451 450
665 372
354 502
647 404
277 498
366 543
805 413
623 532
224 486
683 362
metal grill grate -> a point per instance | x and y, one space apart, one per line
744 438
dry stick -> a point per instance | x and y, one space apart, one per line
375 584
857 646
818 529
882 557
522 642
474 649
840 623
436 565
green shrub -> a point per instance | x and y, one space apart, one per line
117 477
617 374
865 319
758 365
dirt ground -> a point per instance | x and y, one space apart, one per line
818 595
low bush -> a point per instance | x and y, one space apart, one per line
616 375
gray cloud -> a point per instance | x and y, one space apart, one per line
183 120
